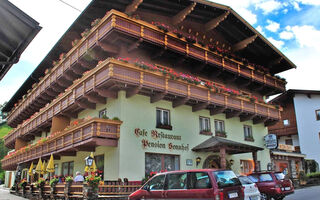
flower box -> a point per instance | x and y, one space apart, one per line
250 139
221 134
164 126
207 132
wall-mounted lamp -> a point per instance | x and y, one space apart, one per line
231 162
198 160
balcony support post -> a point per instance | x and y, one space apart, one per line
106 93
180 102
199 106
134 45
157 97
244 43
247 117
133 91
95 99
217 110
131 8
179 17
234 113
258 120
216 21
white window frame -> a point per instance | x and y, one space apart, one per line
203 121
162 116
247 131
286 122
219 125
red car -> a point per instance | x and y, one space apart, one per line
192 184
272 185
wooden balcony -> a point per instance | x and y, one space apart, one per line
83 137
115 25
110 76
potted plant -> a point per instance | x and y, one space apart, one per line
302 178
116 119
53 182
249 138
221 133
90 189
40 185
22 185
206 131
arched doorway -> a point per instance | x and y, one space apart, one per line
212 161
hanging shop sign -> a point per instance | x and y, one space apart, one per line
286 147
271 141
160 140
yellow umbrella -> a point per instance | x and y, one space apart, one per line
50 166
43 168
38 167
30 170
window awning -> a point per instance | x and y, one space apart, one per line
16 33
214 144
289 154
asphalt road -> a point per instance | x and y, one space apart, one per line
309 193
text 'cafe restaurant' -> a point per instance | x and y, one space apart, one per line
141 108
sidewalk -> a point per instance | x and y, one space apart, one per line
5 194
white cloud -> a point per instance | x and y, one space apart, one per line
260 29
277 43
309 2
273 26
306 36
269 6
286 35
285 11
296 6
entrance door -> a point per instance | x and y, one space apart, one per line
212 161
9 179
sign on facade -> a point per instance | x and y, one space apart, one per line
286 147
271 141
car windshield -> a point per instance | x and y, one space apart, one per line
245 180
265 177
226 179
253 178
279 176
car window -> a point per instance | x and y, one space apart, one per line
226 179
254 178
245 180
199 180
177 181
156 183
279 176
265 177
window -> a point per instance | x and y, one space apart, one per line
163 119
204 123
318 114
67 168
248 133
100 165
199 180
156 183
265 177
103 113
246 166
56 168
288 142
177 181
161 162
226 179
219 125
286 122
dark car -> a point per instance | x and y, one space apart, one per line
272 185
192 184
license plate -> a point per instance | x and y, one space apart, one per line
287 188
253 198
233 195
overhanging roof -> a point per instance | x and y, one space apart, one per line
234 29
290 154
16 32
214 144
289 94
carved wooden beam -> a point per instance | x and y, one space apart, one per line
218 110
78 70
96 99
178 18
133 91
247 117
107 93
244 43
270 122
180 102
131 8
216 21
275 62
70 114
157 97
234 113
64 82
199 106
109 48
57 88
135 45
70 76
86 105
51 93
259 120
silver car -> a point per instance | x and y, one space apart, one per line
251 191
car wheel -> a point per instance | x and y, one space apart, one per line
264 196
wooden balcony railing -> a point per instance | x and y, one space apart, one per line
110 190
65 71
112 72
93 132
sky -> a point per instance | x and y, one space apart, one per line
293 26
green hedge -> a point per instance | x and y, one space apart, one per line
314 175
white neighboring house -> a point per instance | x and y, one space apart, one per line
305 116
